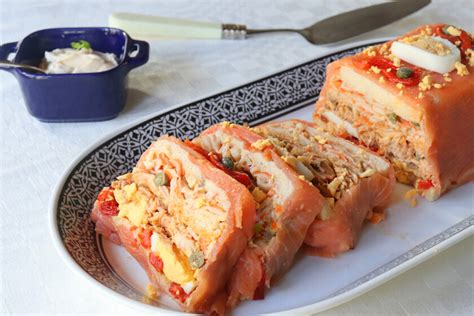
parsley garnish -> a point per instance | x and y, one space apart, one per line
81 44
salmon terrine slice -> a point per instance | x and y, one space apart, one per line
354 181
412 101
286 206
184 220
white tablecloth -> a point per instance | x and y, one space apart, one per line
33 279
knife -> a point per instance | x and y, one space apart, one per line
329 30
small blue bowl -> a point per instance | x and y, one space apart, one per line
75 97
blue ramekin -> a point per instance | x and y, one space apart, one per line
75 97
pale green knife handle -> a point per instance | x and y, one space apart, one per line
154 27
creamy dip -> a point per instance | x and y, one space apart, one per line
73 61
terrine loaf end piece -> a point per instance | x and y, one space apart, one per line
410 100
184 220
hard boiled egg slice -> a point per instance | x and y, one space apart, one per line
331 116
430 52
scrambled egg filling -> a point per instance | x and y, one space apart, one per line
261 144
132 204
193 224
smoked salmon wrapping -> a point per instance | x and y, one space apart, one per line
183 219
354 181
286 206
422 121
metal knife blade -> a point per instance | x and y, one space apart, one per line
359 21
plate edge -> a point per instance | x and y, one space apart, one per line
388 275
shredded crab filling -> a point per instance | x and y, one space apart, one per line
268 201
389 135
316 158
184 212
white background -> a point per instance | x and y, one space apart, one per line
33 155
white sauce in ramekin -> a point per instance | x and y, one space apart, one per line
73 61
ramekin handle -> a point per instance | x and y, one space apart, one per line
7 49
137 54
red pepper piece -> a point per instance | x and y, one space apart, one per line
379 62
106 194
466 41
215 159
389 71
242 177
109 208
374 148
424 184
178 292
439 31
156 262
106 202
145 238
413 80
